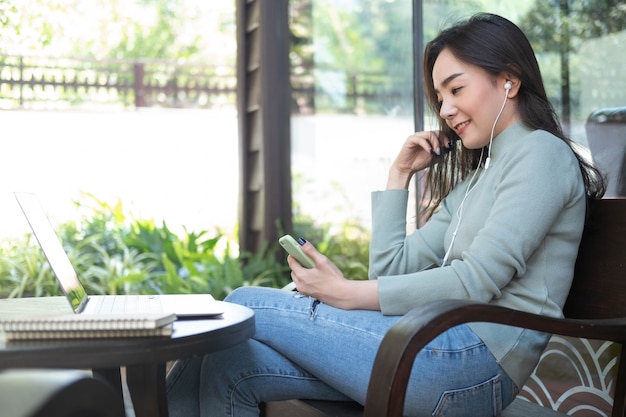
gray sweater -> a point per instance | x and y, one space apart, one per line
516 244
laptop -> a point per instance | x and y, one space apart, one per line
183 305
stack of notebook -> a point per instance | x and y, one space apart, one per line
86 326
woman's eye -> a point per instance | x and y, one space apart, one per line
456 90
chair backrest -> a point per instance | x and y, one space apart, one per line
599 284
597 292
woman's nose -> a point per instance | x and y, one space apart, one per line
447 110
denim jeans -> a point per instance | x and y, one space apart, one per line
306 349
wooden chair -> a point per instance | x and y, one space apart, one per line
595 309
57 393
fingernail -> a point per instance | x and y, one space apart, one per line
301 241
450 144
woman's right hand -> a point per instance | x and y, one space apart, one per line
418 152
327 283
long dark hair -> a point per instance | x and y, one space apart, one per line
498 46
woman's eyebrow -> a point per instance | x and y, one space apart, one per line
448 80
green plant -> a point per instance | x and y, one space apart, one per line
345 243
115 254
23 270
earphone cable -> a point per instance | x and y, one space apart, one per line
493 128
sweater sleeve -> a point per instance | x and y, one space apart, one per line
529 198
391 252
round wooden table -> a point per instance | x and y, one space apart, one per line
144 359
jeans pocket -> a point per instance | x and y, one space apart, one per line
484 399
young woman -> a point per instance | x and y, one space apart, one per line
508 208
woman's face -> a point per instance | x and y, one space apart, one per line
470 100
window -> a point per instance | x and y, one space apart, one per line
352 66
352 73
575 42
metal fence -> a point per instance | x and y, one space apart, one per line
48 82
30 82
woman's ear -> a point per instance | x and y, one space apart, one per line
513 83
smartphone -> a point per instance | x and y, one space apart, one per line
293 248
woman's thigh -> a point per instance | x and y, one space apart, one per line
315 335
339 347
456 375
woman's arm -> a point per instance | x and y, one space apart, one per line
418 152
325 281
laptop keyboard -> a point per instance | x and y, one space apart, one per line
121 304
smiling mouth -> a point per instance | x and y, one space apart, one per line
458 127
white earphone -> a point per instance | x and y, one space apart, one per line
508 85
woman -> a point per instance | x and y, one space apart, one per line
508 208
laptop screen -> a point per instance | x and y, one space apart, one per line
53 250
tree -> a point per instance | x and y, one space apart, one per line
365 45
562 26
544 24
28 26
158 29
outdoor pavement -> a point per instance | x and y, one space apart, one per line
176 165
181 166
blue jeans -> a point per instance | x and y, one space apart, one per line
306 349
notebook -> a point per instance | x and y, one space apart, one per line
183 305
88 334
87 326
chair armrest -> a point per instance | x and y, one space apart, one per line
390 375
